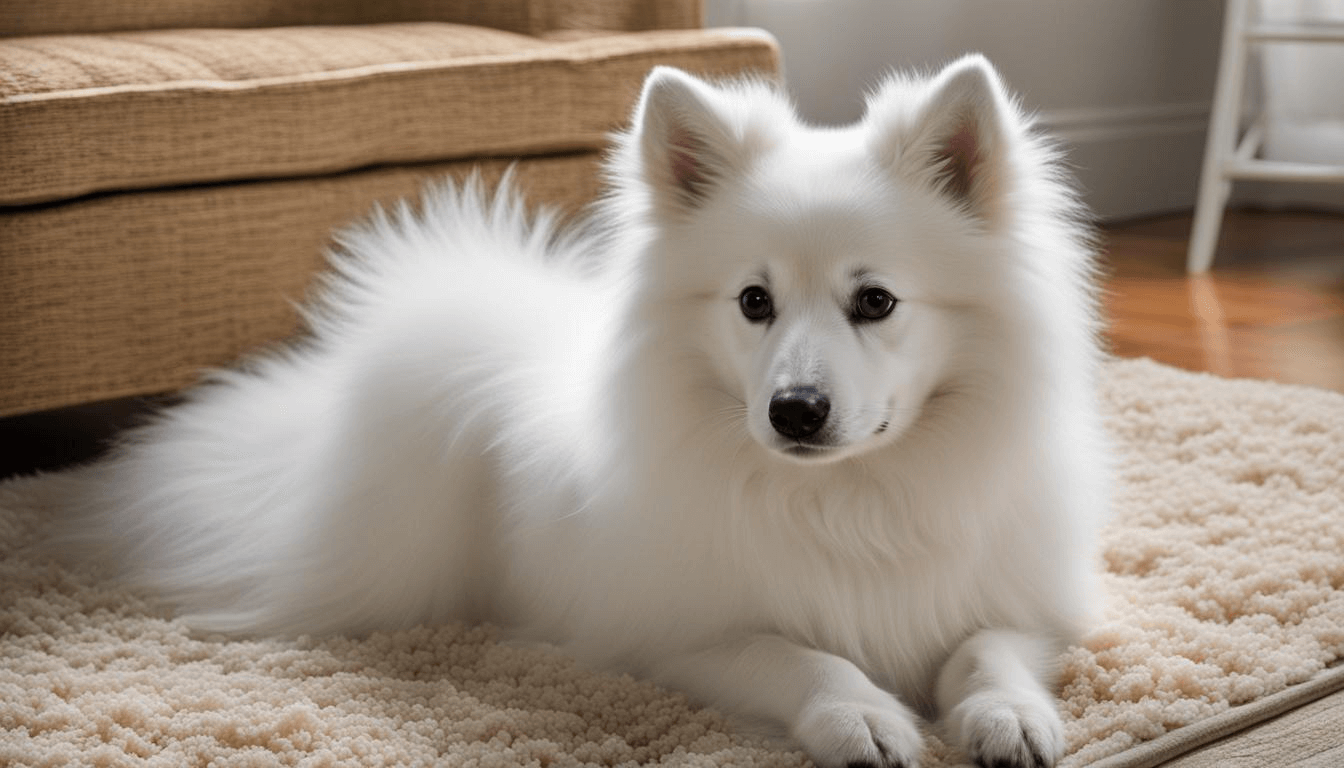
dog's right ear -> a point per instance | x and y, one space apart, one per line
685 140
951 133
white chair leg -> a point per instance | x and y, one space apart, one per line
1213 193
1220 145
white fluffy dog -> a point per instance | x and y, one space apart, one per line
804 427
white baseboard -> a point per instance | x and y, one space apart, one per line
1105 123
1133 161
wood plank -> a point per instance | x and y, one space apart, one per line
1271 308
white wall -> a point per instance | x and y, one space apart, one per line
1126 83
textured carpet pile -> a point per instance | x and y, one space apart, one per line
1224 562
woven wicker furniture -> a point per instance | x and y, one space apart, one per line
170 171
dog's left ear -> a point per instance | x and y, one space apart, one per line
685 139
954 137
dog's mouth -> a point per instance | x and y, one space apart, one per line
802 450
825 449
812 453
831 444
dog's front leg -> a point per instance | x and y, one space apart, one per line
995 703
829 705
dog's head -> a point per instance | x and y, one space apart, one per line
832 278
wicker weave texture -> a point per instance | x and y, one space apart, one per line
132 294
172 168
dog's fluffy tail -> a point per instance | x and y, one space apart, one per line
346 481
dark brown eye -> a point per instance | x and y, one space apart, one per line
755 304
873 304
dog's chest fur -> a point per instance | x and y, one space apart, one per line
853 573
829 559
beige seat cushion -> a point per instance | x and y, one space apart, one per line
89 113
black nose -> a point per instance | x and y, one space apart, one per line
798 412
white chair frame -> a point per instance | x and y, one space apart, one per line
1228 158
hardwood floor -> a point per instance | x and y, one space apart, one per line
1271 308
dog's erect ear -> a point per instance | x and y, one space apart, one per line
686 144
951 133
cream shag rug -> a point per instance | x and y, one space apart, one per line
1225 561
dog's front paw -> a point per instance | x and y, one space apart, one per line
1000 730
879 734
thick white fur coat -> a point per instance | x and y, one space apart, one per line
569 432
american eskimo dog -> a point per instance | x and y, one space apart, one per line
804 426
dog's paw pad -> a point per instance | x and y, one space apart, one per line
860 735
998 732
